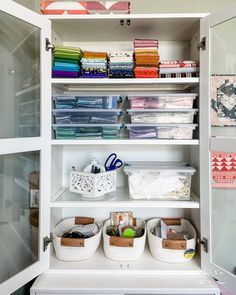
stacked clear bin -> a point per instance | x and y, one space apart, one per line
162 116
86 117
159 180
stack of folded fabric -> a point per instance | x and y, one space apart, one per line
179 69
94 64
66 62
146 58
121 64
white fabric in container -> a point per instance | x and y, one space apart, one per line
66 253
170 255
124 253
149 185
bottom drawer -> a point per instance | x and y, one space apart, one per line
164 131
86 132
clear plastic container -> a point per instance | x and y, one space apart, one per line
86 101
86 116
162 116
161 131
162 100
159 180
86 131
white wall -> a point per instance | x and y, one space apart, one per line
158 6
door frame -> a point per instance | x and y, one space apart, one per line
207 144
41 144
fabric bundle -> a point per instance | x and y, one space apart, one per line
121 64
178 69
94 64
66 62
146 58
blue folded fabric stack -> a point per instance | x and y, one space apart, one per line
121 64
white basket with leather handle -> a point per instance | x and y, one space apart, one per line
124 249
71 249
176 251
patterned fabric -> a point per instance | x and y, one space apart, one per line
85 7
223 170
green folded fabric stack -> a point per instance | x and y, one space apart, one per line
66 62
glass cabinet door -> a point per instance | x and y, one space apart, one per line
19 212
20 78
218 153
24 154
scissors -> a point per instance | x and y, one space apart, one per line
112 162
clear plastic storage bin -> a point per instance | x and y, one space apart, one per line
162 100
161 131
159 180
86 101
75 116
162 116
86 131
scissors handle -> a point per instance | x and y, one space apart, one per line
112 162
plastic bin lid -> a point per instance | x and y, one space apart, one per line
161 94
156 166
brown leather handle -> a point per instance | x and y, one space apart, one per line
134 221
84 220
121 242
70 242
172 221
174 244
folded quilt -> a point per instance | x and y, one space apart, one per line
64 74
178 63
146 72
95 54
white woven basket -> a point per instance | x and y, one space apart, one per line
123 249
74 249
172 251
92 185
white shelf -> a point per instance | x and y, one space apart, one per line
124 142
107 81
27 90
153 16
65 199
146 264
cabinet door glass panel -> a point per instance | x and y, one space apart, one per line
19 212
20 78
224 210
223 80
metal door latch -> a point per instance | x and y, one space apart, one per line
202 44
46 242
204 243
49 45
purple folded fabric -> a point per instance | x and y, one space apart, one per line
64 74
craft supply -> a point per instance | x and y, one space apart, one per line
112 162
94 167
122 218
128 232
178 69
121 64
94 64
146 58
66 62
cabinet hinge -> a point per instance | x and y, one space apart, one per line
48 45
204 243
46 242
202 44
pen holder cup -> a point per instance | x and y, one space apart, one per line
173 251
91 185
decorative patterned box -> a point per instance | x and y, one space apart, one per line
91 185
85 7
223 170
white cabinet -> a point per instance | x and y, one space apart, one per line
179 35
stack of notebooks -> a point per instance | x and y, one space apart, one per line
121 64
146 58
179 69
66 62
94 64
